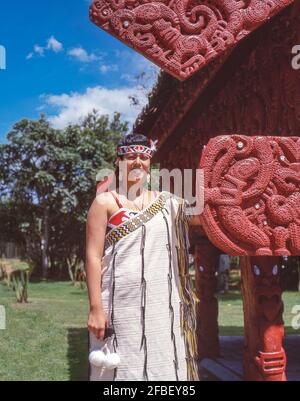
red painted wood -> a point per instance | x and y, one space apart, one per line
182 36
264 356
256 92
252 194
206 265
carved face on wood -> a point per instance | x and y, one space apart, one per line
266 272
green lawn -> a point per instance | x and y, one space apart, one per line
47 338
231 313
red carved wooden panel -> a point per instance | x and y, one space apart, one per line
252 194
181 36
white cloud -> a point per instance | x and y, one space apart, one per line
133 65
39 50
54 45
71 108
82 55
29 56
67 108
105 68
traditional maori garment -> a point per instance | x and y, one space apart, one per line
147 295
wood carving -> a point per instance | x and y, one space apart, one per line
207 262
182 36
264 356
252 194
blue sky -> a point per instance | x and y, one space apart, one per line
60 63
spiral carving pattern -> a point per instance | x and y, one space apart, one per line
182 36
252 194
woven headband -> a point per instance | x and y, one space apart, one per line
124 150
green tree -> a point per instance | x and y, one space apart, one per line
47 182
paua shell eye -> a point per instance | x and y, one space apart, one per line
256 270
240 145
275 270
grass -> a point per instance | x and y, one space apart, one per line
47 338
231 313
231 321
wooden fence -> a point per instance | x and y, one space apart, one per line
9 250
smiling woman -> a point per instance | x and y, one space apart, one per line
137 276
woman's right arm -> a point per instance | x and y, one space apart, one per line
95 237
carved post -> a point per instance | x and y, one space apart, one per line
206 262
264 356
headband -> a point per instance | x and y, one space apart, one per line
124 150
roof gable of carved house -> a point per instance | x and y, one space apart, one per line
248 74
183 36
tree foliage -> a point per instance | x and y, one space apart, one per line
47 183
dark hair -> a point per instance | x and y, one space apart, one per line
134 139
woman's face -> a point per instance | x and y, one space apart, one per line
136 166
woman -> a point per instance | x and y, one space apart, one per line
137 277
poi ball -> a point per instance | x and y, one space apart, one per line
112 361
97 358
